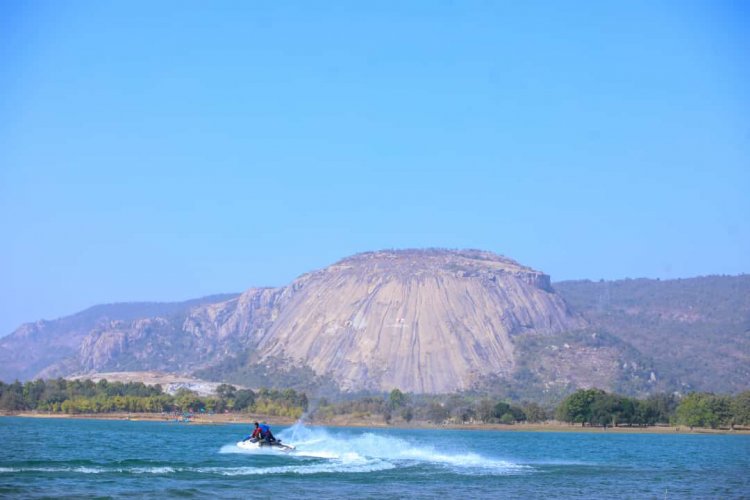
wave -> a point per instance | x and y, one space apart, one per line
318 451
371 452
94 470
319 468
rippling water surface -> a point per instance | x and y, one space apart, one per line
87 458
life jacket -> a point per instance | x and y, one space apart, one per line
264 430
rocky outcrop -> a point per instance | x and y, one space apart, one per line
422 321
35 346
180 343
696 331
46 348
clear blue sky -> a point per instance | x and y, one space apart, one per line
168 150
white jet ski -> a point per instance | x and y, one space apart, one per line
256 444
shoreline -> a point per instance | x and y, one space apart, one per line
247 419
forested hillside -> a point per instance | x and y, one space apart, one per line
696 332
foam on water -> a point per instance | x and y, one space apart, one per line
94 470
317 468
153 470
81 470
86 458
233 448
89 470
318 451
370 452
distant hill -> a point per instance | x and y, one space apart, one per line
424 321
31 348
695 332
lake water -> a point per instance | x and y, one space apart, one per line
88 458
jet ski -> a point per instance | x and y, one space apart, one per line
257 444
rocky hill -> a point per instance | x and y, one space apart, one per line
423 321
420 320
696 331
34 347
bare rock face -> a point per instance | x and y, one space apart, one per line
423 321
180 343
48 348
34 346
233 325
420 320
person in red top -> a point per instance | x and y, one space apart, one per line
256 432
256 435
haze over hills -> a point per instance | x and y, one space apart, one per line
423 321
32 347
696 330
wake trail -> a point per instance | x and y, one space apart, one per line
367 451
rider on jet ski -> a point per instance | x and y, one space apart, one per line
266 434
261 431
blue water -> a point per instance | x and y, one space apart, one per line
90 458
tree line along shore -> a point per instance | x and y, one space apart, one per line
585 408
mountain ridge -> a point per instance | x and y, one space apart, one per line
352 319
429 320
66 333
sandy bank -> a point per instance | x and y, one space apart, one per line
247 419
201 419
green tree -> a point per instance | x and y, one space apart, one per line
663 405
12 398
226 391
463 413
603 409
101 386
534 413
485 410
387 415
437 413
741 408
694 410
187 400
243 399
33 392
577 408
303 401
518 414
500 409
721 411
396 399
407 413
507 419
645 413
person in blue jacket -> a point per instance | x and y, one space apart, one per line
266 434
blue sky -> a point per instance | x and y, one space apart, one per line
168 150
